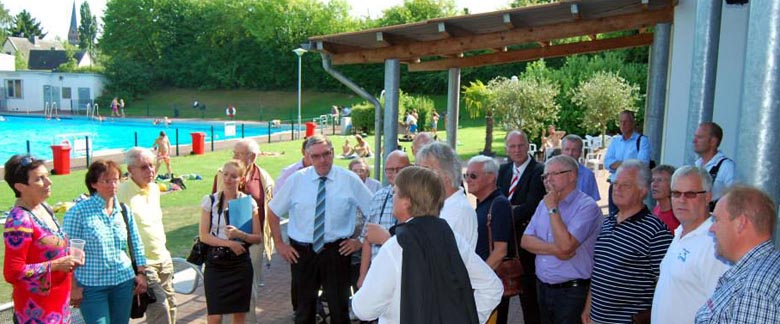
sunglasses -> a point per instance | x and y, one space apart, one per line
472 176
687 194
25 162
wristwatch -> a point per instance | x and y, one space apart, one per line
552 211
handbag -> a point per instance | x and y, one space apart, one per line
140 301
198 252
510 270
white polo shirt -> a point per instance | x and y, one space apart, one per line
689 272
461 217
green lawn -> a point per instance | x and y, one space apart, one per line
180 209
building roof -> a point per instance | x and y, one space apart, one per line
50 59
24 45
504 36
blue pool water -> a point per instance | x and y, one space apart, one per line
105 136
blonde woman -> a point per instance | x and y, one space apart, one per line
228 273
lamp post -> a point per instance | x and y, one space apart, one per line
299 51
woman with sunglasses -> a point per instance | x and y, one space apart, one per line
37 263
103 287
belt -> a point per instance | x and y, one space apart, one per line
310 245
569 284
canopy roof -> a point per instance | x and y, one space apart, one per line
505 36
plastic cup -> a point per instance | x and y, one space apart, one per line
77 248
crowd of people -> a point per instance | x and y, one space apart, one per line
702 254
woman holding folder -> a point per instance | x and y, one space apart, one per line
228 273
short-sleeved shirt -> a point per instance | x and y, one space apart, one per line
145 204
747 293
380 212
689 272
500 222
626 266
621 149
582 217
106 259
210 203
725 176
667 217
344 194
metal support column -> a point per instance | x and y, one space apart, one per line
392 93
757 150
453 107
704 69
656 88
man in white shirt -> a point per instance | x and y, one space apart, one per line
322 202
706 141
690 269
467 292
456 211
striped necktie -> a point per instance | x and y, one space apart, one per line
513 185
319 218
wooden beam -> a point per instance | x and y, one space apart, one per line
505 38
536 53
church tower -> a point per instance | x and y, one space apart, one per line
73 32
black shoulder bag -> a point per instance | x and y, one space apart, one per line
140 301
199 249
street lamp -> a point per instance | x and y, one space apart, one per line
299 51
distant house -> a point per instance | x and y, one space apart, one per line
23 46
49 60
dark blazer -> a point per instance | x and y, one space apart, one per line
530 189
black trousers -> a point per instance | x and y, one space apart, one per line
327 269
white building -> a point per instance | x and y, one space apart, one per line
32 91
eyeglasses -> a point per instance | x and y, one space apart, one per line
687 194
108 181
547 175
394 170
325 155
472 176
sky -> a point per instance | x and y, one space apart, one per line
54 15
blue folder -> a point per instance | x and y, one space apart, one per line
241 213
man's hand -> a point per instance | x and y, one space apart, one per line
140 284
376 234
76 296
349 246
287 252
552 198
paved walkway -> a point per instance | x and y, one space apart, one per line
274 304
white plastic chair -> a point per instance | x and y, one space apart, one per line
595 161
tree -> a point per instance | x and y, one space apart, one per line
26 26
87 30
416 10
5 22
528 102
526 3
602 98
477 98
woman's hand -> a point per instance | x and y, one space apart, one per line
236 247
76 295
234 233
140 284
66 264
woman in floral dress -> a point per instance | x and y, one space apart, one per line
37 263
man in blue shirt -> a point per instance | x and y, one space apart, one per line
586 180
746 293
322 202
629 145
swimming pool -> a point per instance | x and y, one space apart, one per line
109 135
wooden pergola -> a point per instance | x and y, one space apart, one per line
505 36
513 35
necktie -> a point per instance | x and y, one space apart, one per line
319 218
513 185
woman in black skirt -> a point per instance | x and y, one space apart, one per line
228 275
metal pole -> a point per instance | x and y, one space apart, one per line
242 130
212 138
392 94
704 68
87 147
656 88
28 147
453 103
135 135
292 130
177 142
299 95
757 149
269 132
